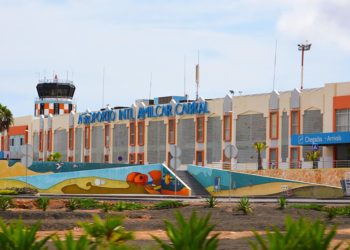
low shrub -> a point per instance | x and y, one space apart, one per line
43 203
299 235
72 204
211 201
244 206
282 203
16 235
331 212
168 204
121 206
87 203
69 243
106 207
191 234
108 232
317 207
5 203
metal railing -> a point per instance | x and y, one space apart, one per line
282 165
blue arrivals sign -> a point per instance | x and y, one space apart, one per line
167 110
320 139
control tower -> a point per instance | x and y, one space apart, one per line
55 97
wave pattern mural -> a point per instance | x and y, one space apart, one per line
140 179
227 183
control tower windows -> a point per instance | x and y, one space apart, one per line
56 108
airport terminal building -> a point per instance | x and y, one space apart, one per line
291 123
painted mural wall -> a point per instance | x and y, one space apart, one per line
138 179
227 183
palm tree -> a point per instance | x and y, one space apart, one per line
259 147
313 156
56 156
6 119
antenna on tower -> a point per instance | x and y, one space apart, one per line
197 77
184 75
150 87
103 87
274 68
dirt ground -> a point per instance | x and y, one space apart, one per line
234 228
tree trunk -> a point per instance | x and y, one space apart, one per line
259 161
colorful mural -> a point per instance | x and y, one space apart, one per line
138 179
227 183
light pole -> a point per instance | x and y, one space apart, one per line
302 48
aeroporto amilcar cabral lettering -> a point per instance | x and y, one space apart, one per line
167 110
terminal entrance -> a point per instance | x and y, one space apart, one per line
342 155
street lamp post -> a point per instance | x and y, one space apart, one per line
302 48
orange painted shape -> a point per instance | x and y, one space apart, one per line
17 130
61 105
46 106
341 102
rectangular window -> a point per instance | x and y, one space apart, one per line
132 129
294 157
274 125
342 120
227 127
200 158
87 137
41 141
56 108
107 135
86 158
21 141
12 142
295 122
171 130
140 158
106 158
70 158
273 158
132 158
71 138
200 129
49 140
70 107
141 133
42 108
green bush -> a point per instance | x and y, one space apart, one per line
87 203
72 204
299 234
211 202
16 236
104 233
244 206
317 207
8 192
43 203
193 234
5 203
282 203
106 207
82 243
331 212
168 204
121 206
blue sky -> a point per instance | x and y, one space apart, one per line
132 39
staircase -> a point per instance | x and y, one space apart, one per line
196 187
